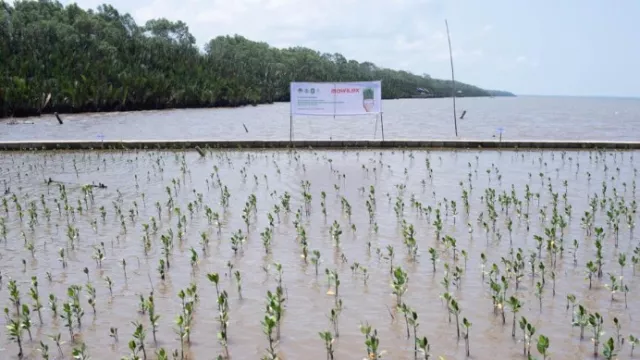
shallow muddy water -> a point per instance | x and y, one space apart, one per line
342 175
518 118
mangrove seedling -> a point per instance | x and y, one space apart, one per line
433 257
515 306
223 318
625 290
67 316
268 326
53 305
162 270
161 354
609 350
315 259
592 269
614 286
194 259
109 285
328 343
539 293
91 297
35 296
74 296
634 341
80 352
466 325
238 278
14 296
455 309
406 310
333 317
425 347
617 325
581 319
413 321
44 350
543 346
14 331
26 319
596 321
113 333
182 331
372 342
571 302
139 336
124 268
399 284
153 317
275 307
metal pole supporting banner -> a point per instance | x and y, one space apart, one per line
375 128
382 126
291 127
291 112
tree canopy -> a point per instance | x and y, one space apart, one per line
67 59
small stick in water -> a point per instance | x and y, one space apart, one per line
245 128
202 153
58 117
463 114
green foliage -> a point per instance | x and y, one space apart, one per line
608 349
67 59
543 345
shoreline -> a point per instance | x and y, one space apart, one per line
68 111
45 145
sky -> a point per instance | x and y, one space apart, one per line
542 47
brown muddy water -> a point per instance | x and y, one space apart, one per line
515 118
401 180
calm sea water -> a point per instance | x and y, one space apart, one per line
560 118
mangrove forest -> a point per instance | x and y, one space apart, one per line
59 58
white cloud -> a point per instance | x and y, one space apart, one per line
524 60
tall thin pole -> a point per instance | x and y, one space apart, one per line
291 92
453 81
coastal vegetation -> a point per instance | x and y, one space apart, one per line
59 58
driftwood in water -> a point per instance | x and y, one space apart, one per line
100 185
200 151
463 114
58 117
245 128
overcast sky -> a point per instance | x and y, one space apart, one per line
545 47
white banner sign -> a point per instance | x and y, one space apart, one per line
335 99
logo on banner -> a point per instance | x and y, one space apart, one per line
368 101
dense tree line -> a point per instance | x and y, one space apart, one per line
67 59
